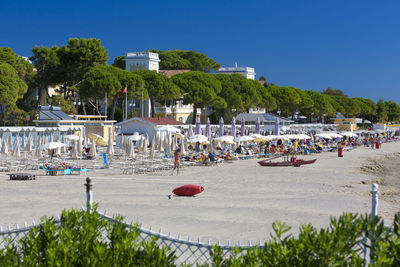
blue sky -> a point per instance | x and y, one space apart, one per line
349 45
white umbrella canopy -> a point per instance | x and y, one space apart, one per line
168 128
244 138
52 145
98 139
179 135
258 137
228 139
197 138
72 137
135 137
110 148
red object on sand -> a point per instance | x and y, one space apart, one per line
340 152
377 145
188 190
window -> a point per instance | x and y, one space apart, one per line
181 119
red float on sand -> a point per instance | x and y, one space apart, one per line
188 190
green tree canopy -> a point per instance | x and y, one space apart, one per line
287 98
200 89
393 111
321 105
159 87
104 79
331 91
179 59
22 66
119 62
12 86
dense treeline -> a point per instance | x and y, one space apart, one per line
82 78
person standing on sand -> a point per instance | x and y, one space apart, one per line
177 161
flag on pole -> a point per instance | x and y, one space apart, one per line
124 90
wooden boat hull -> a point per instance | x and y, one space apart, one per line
296 163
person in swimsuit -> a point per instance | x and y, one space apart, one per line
177 161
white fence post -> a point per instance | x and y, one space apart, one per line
374 192
89 196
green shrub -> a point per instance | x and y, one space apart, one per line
84 239
337 245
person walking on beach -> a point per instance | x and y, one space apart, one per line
177 161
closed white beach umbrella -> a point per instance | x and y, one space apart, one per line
80 145
38 152
145 144
190 132
152 148
85 141
131 150
183 148
29 144
10 141
110 147
16 149
74 151
92 151
23 142
4 146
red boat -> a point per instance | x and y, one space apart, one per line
294 163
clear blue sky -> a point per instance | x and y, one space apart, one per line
349 45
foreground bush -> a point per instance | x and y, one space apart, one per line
84 239
340 244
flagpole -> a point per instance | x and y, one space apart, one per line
126 103
105 106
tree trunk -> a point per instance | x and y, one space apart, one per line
153 110
194 113
114 104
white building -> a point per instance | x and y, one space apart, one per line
247 72
142 61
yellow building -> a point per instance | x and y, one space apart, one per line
346 124
54 117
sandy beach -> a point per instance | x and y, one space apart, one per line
240 202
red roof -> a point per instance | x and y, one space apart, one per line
162 121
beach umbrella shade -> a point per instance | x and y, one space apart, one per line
190 131
51 145
98 139
197 138
16 149
233 127
134 137
110 147
179 135
198 125
92 151
243 138
72 137
168 128
276 129
227 139
221 127
257 131
242 127
257 137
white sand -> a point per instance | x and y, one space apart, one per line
240 201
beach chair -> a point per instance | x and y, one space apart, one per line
107 164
